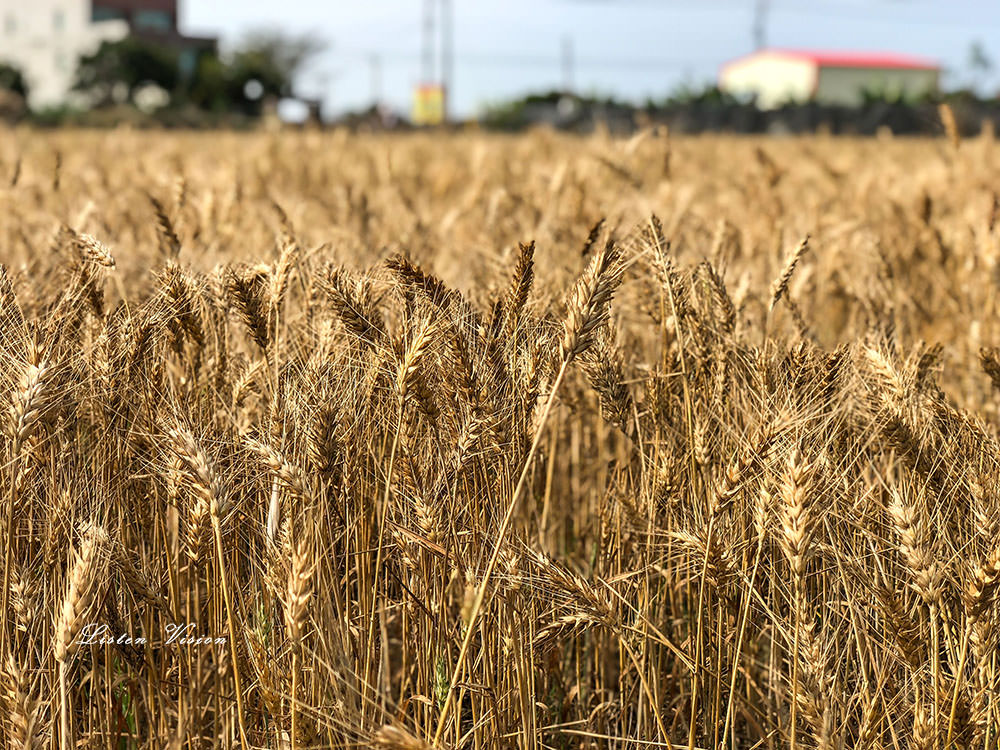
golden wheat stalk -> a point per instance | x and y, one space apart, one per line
780 285
79 604
589 308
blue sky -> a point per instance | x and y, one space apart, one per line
630 48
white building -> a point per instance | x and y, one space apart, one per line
776 76
45 39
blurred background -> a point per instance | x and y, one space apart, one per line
741 65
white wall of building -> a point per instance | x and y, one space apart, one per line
775 79
45 39
847 85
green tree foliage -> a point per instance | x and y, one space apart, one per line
272 60
264 65
11 79
209 86
118 69
276 58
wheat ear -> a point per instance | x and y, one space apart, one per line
86 580
296 602
979 595
780 285
796 533
207 488
22 709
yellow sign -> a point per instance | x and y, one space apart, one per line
428 105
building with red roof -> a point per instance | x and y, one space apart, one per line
778 76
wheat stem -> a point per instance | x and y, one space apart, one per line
495 555
231 624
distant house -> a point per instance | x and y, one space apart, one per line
777 76
46 38
155 21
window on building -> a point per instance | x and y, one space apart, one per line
153 20
10 24
58 19
187 61
62 61
107 14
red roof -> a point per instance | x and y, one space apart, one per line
827 59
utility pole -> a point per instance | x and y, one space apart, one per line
323 81
568 64
447 56
760 24
375 69
428 43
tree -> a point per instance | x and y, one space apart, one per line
117 70
209 86
266 64
279 57
979 62
11 79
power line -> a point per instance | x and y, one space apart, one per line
447 56
427 54
760 23
903 18
375 63
553 62
902 21
568 63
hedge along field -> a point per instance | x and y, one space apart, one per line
472 441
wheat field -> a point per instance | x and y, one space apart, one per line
469 441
